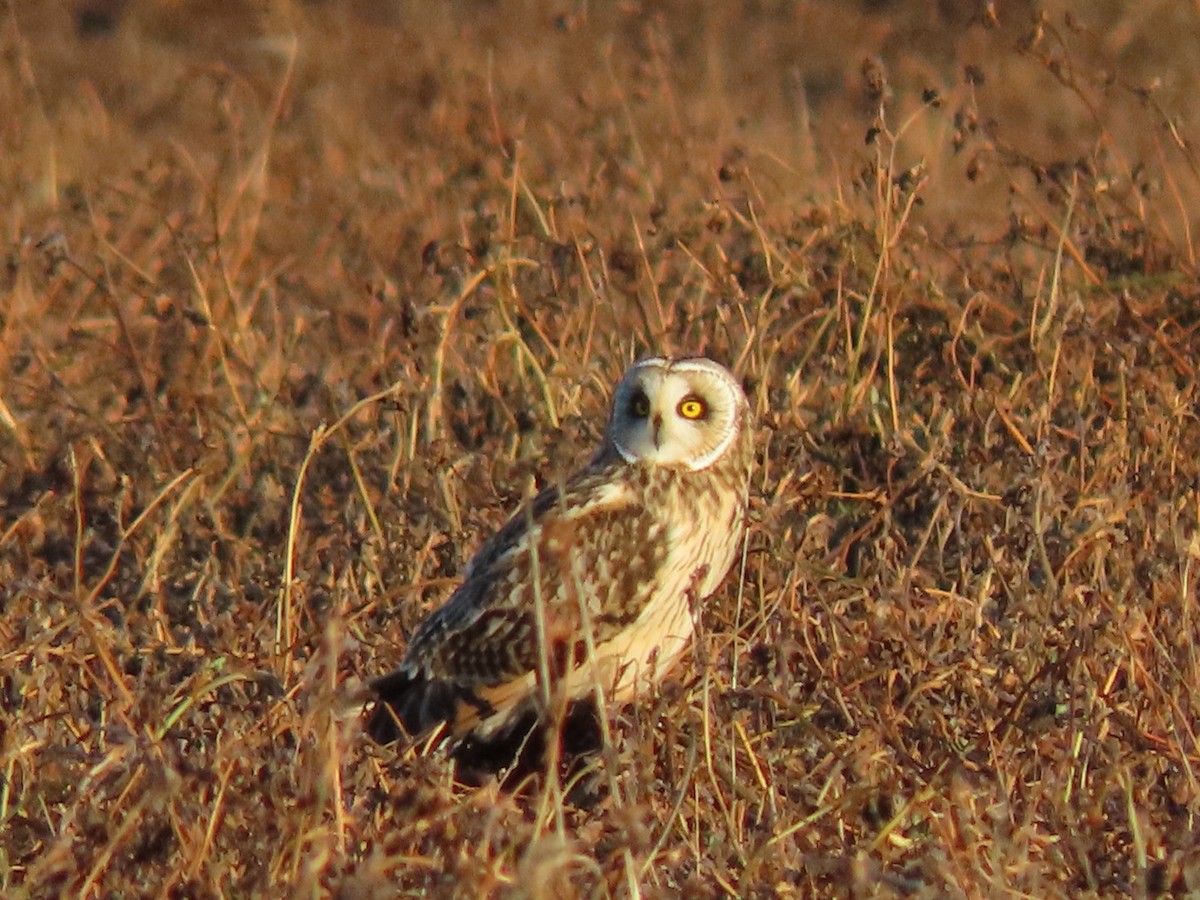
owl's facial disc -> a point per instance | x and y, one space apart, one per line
681 413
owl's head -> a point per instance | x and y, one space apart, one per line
684 413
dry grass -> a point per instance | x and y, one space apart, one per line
961 656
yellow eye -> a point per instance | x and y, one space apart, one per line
692 408
640 406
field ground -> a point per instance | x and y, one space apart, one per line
300 299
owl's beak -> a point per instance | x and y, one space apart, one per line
657 423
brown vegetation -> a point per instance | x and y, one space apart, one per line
301 298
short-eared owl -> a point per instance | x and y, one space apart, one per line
589 586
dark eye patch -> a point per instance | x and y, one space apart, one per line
639 405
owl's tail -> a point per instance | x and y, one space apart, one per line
411 705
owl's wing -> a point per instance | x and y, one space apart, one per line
575 555
566 547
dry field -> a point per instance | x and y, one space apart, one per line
301 298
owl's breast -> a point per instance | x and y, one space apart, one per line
706 534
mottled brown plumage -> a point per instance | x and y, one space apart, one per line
618 553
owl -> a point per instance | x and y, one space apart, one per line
588 590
